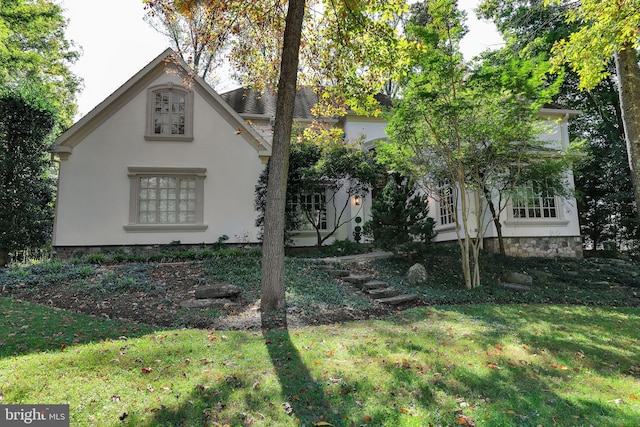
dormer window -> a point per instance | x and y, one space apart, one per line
170 114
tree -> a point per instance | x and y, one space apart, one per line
33 49
333 174
465 132
608 28
187 35
26 188
603 179
400 218
265 40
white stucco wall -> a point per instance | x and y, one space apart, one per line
93 197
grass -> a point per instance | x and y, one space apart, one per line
565 354
485 365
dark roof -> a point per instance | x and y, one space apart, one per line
246 101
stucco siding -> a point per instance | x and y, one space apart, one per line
94 187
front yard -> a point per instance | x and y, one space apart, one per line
110 341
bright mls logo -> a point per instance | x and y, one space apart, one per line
34 415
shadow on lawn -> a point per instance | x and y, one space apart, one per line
305 397
31 328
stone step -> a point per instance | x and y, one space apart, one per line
338 273
326 266
399 299
217 290
384 292
373 284
207 302
357 279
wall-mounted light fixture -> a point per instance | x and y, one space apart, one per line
357 200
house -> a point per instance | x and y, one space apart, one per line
166 159
534 222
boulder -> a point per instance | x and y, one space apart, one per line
217 290
207 302
417 274
518 278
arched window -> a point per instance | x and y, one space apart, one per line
170 114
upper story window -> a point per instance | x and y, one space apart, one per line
531 202
170 114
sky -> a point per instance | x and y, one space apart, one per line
116 43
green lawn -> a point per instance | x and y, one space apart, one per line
482 365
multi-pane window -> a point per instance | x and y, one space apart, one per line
169 112
167 200
311 211
447 205
532 202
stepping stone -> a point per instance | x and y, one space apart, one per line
207 302
384 292
326 267
338 273
357 280
217 290
397 299
516 287
374 284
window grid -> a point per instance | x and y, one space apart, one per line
169 112
530 203
447 206
167 200
316 205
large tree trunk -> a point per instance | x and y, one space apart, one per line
629 82
273 304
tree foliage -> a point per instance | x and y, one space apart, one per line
33 49
603 178
26 187
345 46
467 130
400 218
340 172
606 29
188 35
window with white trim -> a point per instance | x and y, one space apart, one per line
311 211
166 198
446 204
170 113
532 202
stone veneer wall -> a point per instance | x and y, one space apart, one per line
565 246
70 252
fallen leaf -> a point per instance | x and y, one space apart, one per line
493 366
632 397
146 370
367 419
323 423
465 421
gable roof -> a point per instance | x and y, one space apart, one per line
250 104
74 135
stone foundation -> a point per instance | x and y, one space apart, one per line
566 246
70 252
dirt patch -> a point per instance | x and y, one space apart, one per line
152 293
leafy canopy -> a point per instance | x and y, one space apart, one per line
605 26
33 49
